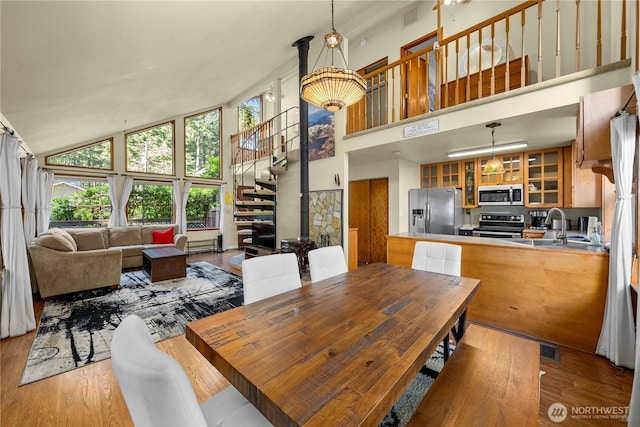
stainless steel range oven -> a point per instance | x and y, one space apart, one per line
500 225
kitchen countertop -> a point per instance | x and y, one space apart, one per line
573 247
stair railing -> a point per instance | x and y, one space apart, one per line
271 140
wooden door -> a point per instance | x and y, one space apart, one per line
369 213
415 87
379 219
359 212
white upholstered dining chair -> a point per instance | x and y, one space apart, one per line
437 257
158 392
269 275
326 262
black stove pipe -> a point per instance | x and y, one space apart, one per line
303 54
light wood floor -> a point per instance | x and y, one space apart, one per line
90 396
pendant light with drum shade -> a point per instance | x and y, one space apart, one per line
332 88
493 166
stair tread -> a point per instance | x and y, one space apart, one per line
255 203
245 222
253 213
265 192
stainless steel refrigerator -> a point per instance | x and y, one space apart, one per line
435 210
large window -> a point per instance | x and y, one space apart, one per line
80 202
202 144
150 203
98 155
203 208
249 113
151 150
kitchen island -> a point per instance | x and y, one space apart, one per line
554 294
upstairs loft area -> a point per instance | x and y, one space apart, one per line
530 44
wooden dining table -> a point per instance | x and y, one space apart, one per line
339 352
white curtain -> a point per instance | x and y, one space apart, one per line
180 199
17 317
118 217
43 202
221 201
29 196
617 336
634 405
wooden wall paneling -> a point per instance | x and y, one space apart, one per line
359 214
553 295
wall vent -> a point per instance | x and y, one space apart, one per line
549 351
410 17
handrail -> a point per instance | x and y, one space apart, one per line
434 77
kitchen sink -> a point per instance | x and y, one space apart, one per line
579 244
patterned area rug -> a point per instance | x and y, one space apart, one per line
75 330
406 406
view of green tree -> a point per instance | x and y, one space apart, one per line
94 156
150 201
80 200
202 204
249 113
202 144
151 150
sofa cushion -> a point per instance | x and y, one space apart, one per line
129 250
124 236
163 236
147 231
91 239
65 235
55 241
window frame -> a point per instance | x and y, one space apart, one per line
260 119
220 144
220 203
97 179
143 181
173 149
70 150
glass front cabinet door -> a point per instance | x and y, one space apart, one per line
543 183
469 190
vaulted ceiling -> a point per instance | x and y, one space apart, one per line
75 71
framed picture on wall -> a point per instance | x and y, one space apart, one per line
321 133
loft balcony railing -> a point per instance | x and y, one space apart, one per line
272 138
530 43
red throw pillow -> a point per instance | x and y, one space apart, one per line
163 236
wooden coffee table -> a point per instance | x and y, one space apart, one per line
164 263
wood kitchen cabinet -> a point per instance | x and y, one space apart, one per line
593 130
544 178
582 187
469 187
513 170
429 176
437 175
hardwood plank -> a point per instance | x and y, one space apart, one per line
486 362
355 340
579 377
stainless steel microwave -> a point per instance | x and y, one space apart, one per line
501 195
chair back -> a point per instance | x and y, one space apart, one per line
437 257
154 385
269 275
326 262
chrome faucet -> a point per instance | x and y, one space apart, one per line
562 236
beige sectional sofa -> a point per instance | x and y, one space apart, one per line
71 260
